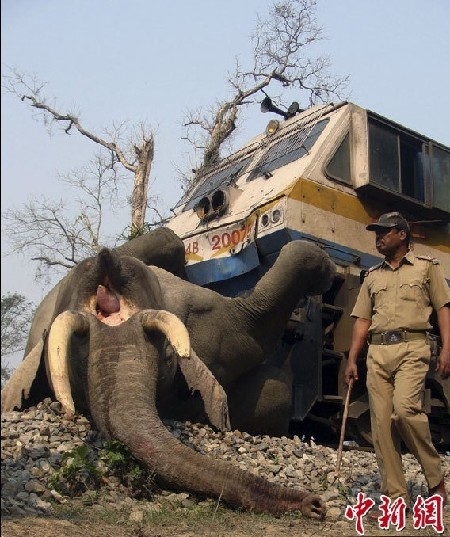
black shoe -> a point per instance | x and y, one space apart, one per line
440 491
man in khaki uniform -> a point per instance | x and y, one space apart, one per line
392 313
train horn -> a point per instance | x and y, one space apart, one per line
268 106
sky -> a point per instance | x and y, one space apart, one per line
137 60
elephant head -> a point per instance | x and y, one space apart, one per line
123 333
29 384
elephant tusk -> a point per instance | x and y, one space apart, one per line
61 331
171 326
200 378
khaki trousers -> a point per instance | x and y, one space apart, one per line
395 383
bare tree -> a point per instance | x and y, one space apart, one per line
136 156
56 235
16 318
283 44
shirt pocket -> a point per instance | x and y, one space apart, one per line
378 293
414 290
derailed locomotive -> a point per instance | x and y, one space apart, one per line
321 175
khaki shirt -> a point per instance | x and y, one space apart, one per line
402 298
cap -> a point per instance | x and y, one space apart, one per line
389 220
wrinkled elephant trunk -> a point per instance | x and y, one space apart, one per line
122 388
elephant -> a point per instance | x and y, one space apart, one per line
161 247
132 343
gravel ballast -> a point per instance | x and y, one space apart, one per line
34 441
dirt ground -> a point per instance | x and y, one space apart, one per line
32 527
231 524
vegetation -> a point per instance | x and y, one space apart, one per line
80 473
132 473
205 518
16 317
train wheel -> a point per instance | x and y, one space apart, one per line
359 429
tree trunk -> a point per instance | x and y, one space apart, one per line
141 178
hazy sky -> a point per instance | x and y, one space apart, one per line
142 60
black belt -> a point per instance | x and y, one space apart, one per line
396 336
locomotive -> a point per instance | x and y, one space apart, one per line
321 175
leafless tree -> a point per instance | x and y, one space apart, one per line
17 312
55 234
136 155
283 47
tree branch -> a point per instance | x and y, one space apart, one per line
282 42
142 149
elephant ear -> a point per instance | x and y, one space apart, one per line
199 377
18 386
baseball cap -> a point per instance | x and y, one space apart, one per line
389 220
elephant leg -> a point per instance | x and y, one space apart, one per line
260 401
17 389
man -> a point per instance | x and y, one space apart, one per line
392 313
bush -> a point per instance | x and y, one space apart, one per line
132 473
78 473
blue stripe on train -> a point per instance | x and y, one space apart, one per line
262 255
223 268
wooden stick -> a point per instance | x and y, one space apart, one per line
344 421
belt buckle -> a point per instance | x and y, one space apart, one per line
390 338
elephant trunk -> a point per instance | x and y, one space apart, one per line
301 269
135 422
122 389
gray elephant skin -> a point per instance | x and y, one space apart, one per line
131 343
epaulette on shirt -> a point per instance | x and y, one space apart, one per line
375 267
428 258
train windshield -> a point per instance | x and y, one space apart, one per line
415 167
288 149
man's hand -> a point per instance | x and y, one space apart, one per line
443 363
359 338
351 372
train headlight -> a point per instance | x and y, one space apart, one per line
212 206
219 201
276 216
203 208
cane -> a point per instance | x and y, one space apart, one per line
344 420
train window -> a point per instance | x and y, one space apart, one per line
409 165
412 168
288 149
339 166
384 158
440 175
